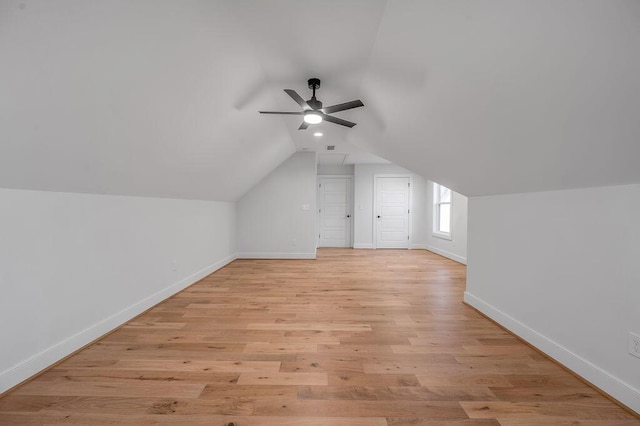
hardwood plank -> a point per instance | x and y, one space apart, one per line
563 421
280 348
310 326
62 373
198 365
216 391
315 364
471 379
187 419
351 348
136 389
395 393
546 411
545 393
416 421
359 408
348 378
283 379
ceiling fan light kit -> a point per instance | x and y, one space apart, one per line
313 111
311 117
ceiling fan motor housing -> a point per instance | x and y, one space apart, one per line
314 103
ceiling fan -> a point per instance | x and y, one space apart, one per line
312 110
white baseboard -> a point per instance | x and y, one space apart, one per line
446 254
35 364
363 246
276 255
615 387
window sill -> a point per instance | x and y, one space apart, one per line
442 236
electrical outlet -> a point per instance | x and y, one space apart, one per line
634 344
294 243
174 266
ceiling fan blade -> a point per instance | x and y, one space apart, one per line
341 107
303 126
294 95
337 120
281 112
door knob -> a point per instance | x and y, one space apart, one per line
348 216
379 216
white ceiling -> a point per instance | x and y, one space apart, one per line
160 98
348 158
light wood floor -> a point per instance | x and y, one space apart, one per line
354 338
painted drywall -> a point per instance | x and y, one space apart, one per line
75 266
363 204
509 91
160 97
333 169
456 247
143 98
277 217
560 269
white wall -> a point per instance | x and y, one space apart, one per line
333 169
75 266
363 204
560 269
456 247
271 219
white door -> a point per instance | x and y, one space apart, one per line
334 212
392 212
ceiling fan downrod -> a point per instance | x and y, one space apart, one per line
314 83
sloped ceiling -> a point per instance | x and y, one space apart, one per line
160 98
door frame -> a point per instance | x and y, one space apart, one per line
350 206
375 204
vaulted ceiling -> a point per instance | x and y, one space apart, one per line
160 98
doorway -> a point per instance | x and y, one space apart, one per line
391 211
334 211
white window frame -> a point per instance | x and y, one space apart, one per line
436 213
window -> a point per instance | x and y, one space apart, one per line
441 211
